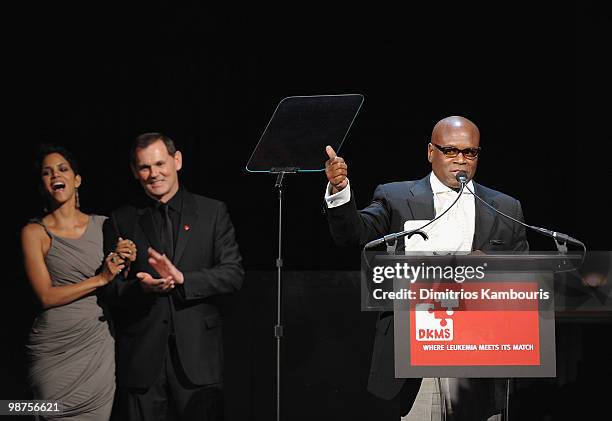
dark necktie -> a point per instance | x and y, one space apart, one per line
167 238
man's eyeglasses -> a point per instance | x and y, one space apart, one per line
451 151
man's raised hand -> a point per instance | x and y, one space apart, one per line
336 170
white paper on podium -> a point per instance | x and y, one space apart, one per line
440 237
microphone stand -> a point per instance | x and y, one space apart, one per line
391 247
561 240
409 233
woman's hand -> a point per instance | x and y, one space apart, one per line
113 265
126 249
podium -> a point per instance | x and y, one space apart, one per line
470 315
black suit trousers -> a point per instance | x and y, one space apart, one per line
172 396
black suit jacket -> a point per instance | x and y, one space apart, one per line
207 254
392 205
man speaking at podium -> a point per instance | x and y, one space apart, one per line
469 226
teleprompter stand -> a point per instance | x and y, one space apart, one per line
294 142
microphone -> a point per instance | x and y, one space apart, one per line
461 177
396 235
563 238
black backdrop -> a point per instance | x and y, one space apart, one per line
535 79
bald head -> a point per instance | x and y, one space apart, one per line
457 126
458 133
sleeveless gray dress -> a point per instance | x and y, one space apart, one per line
71 353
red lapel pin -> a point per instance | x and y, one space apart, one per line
186 227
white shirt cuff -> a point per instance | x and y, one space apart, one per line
337 199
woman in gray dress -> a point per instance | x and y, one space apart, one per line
70 349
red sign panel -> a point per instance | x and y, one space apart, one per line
480 324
